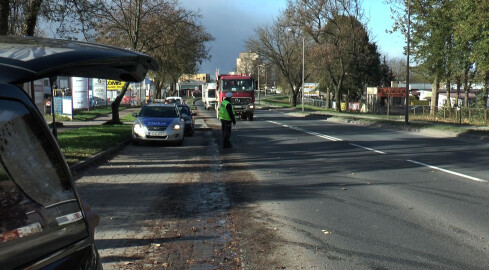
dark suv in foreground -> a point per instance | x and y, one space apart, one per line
43 223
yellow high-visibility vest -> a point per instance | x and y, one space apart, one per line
223 113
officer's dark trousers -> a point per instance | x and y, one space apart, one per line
226 133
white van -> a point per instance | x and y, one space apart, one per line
209 95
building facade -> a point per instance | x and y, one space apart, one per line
202 77
246 62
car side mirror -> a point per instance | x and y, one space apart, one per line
135 114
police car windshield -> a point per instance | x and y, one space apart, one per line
159 111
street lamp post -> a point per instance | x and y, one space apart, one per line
259 89
303 73
303 54
406 117
259 84
266 82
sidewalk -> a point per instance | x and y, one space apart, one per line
162 207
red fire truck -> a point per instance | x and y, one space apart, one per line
243 89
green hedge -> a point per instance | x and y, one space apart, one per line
415 102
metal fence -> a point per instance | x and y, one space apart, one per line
476 116
313 102
473 116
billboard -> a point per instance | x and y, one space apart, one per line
310 89
391 92
79 88
99 96
39 94
114 85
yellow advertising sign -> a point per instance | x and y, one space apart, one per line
114 85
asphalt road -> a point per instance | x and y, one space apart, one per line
354 197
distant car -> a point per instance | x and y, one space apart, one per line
43 222
96 101
158 122
177 100
188 118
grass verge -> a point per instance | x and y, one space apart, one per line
128 118
82 143
57 117
85 115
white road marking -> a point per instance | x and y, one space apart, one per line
308 132
379 152
369 149
326 137
448 171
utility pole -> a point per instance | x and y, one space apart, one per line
406 118
259 84
303 53
302 72
52 81
266 81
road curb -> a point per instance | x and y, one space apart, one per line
75 168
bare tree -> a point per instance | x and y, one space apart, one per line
70 17
182 50
13 16
398 66
127 24
156 27
31 17
281 44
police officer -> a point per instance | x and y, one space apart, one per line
227 116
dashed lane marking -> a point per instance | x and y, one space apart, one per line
331 138
308 132
369 149
448 171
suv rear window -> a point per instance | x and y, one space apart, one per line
39 212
